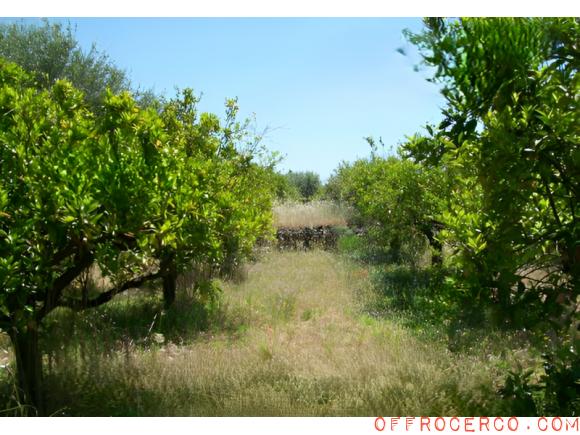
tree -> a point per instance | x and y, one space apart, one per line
213 202
510 137
283 189
52 53
126 189
308 183
398 201
73 187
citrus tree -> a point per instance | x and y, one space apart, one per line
510 140
510 136
135 192
73 190
398 200
213 204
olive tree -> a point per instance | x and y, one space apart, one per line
51 52
307 183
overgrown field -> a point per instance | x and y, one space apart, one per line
451 288
293 338
310 214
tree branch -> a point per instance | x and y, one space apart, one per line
551 200
63 253
103 298
53 295
82 261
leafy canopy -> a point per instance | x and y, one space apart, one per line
51 52
141 193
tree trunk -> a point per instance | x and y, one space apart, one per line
169 278
570 258
28 367
437 248
395 250
437 253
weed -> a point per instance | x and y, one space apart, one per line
289 340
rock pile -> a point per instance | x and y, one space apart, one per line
307 237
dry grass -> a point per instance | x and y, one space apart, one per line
310 214
295 344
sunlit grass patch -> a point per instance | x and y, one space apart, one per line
291 339
309 214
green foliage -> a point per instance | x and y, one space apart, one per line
560 384
283 189
556 393
139 193
307 183
497 181
398 201
65 185
52 53
519 391
212 200
510 142
350 244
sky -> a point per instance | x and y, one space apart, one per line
318 85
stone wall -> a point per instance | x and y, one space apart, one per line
324 237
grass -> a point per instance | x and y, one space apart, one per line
292 339
310 214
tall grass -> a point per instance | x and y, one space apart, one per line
310 214
291 339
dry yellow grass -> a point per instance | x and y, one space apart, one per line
310 214
300 346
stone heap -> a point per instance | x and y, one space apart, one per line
307 237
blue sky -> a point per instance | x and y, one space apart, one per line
319 85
